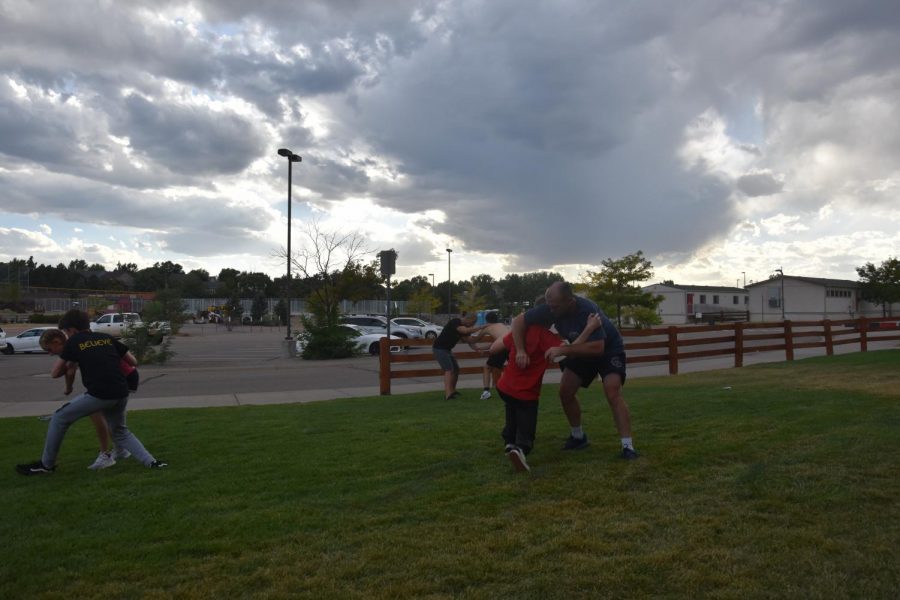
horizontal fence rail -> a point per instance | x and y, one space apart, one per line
673 344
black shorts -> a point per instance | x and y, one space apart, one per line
588 368
497 361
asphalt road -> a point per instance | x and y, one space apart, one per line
209 360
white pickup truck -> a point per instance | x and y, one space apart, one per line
115 324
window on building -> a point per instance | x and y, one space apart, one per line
715 299
702 298
734 300
746 299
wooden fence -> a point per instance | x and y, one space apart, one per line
672 344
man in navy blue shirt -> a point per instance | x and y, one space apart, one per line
603 354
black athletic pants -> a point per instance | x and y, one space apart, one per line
521 422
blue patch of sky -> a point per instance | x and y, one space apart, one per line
743 124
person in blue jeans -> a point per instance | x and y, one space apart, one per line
98 357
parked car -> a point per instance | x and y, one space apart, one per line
27 341
365 342
115 324
2 339
422 328
378 324
164 327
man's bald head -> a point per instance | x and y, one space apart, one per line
560 298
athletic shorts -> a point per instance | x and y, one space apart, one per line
588 368
445 359
497 361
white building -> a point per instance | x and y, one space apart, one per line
699 303
809 299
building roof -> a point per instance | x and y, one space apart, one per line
703 288
814 280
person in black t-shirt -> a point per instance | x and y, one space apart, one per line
98 357
457 329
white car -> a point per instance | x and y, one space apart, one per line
365 342
378 324
27 341
2 339
422 328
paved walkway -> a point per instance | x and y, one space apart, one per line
469 385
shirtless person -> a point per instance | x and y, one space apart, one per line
603 354
493 367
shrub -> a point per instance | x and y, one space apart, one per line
148 348
322 342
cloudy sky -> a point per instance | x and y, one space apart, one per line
720 138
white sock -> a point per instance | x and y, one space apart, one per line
627 443
577 433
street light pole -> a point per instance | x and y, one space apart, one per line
449 284
292 158
431 312
744 273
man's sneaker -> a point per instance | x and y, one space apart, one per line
104 459
508 448
629 453
158 464
122 453
574 443
453 396
486 394
35 468
517 458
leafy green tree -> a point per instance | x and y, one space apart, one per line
881 284
469 300
423 301
258 308
615 285
167 305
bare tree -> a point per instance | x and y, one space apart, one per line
329 261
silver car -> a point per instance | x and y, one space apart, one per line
27 341
423 329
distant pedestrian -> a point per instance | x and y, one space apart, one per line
97 355
457 329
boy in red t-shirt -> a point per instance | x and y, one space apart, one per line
520 389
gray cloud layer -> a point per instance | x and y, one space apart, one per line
551 132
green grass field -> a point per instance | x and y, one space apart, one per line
769 481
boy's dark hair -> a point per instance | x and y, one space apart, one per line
542 299
75 319
492 317
49 335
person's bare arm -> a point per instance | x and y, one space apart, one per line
70 377
518 336
59 368
130 359
581 346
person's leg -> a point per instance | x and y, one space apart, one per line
455 375
612 387
122 437
495 374
449 383
62 419
509 426
568 388
526 420
102 431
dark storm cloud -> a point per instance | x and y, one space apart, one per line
759 184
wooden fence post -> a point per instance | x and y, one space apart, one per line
738 344
863 325
673 350
829 342
384 366
788 340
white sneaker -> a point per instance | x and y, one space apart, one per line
122 453
517 458
485 394
104 459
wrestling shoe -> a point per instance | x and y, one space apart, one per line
35 468
158 464
629 454
574 443
104 460
486 394
517 458
508 448
122 453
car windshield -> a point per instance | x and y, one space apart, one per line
351 332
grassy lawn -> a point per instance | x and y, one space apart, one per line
769 481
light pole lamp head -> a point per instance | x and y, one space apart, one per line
285 152
449 250
295 158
